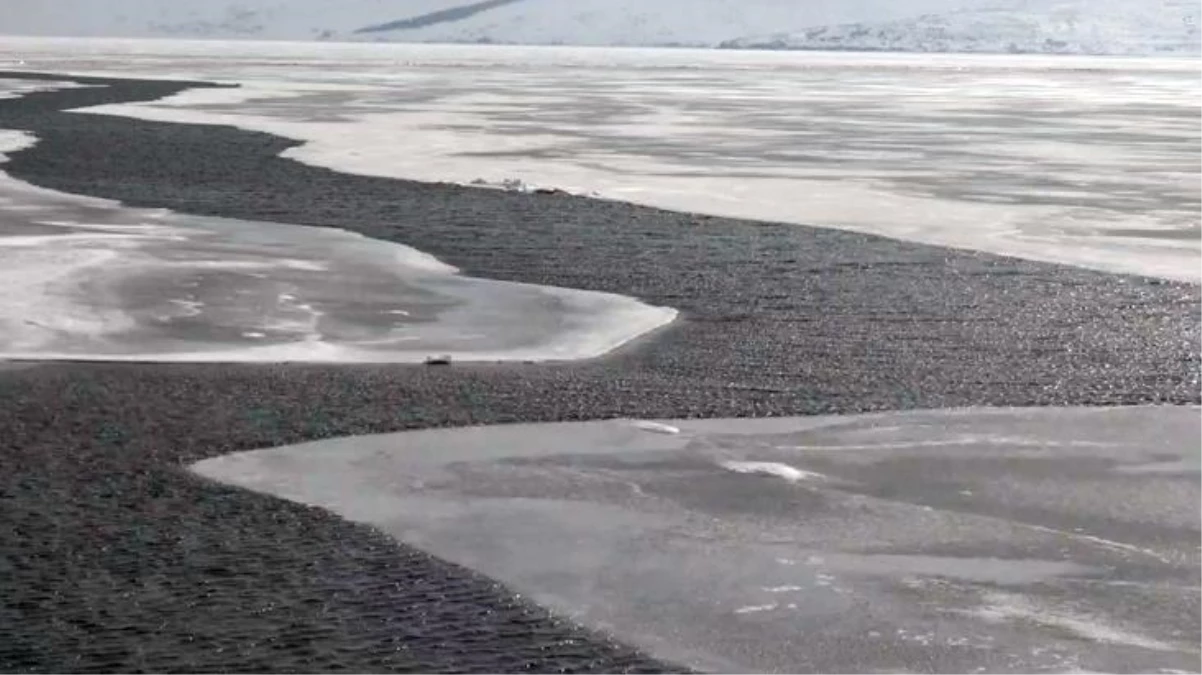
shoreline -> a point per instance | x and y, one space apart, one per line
144 566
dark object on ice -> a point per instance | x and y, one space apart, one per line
438 361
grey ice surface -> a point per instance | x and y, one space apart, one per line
973 540
90 279
18 88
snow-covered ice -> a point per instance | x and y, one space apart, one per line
1080 160
947 557
13 141
655 427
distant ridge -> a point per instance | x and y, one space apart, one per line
1064 27
1113 27
442 16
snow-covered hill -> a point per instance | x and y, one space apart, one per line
252 19
559 21
1062 27
654 22
1089 26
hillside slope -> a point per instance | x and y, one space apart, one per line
1074 27
1079 26
250 19
662 22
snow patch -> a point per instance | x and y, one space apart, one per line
776 469
755 609
215 290
14 141
655 427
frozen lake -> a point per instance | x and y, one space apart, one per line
1086 161
1023 540
1078 160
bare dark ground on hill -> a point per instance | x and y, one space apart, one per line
114 558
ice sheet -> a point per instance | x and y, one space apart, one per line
88 279
976 540
1083 161
13 141
18 88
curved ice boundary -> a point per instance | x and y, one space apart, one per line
19 88
90 279
976 540
1042 159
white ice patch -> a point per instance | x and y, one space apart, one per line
777 469
10 88
881 144
14 141
89 279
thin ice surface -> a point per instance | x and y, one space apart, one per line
87 279
18 88
1010 540
1085 161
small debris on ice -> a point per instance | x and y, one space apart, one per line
518 185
